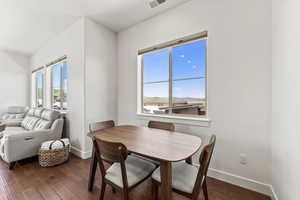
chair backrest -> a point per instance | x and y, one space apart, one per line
97 126
204 161
161 125
112 152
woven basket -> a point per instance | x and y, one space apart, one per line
53 157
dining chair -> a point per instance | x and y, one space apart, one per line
157 125
188 180
161 125
165 126
94 127
127 171
98 126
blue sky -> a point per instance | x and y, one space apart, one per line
56 75
40 80
188 62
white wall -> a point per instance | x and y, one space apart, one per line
286 99
239 76
100 74
14 80
91 54
70 43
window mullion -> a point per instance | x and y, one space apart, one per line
170 81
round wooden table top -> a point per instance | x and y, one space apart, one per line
153 143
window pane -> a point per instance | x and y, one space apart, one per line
56 85
39 91
156 97
189 97
189 60
65 85
156 66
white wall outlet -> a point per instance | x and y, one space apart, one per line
243 159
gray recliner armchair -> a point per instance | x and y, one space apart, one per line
14 115
24 141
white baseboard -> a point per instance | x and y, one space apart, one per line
241 181
274 195
81 154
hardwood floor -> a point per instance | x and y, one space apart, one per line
69 181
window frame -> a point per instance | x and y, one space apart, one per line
36 87
170 79
61 65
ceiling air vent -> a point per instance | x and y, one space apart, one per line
155 3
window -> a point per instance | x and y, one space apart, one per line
174 79
39 89
59 85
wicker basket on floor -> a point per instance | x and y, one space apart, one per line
53 157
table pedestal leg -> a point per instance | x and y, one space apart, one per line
166 180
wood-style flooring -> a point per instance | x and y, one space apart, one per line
29 181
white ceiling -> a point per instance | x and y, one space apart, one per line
26 25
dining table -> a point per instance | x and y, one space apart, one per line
160 145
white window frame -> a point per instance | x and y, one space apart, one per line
60 63
140 87
41 70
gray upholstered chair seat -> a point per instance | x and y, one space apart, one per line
137 170
183 176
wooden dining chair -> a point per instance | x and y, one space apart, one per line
94 127
98 126
188 180
127 171
165 126
161 125
158 125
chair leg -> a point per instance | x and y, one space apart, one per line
154 190
205 190
125 195
103 186
93 168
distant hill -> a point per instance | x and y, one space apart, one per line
175 100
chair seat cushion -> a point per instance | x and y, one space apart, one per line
136 169
183 176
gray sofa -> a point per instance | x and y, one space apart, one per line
14 115
24 140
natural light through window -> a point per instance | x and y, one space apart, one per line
59 85
174 80
39 89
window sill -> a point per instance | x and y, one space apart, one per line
194 121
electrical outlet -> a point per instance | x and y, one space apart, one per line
243 159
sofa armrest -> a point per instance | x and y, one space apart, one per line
5 116
57 127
